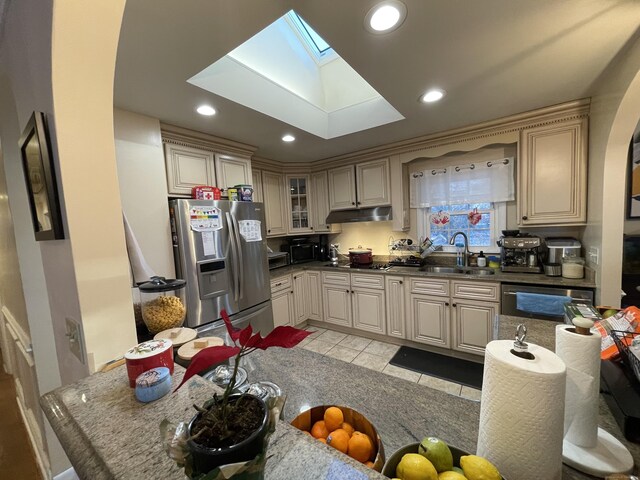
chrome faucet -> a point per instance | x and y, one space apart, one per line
466 246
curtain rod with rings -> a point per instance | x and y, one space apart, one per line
457 168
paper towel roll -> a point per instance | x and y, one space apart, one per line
522 411
581 355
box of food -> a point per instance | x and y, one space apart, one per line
202 192
574 309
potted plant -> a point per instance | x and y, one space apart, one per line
230 430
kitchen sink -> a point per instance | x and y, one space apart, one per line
461 270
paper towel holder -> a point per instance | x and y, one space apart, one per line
520 347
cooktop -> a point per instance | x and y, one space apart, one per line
361 266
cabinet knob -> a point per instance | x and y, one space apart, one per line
353 203
268 231
291 291
454 305
524 217
311 228
400 282
347 290
446 304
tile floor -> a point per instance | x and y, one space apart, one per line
376 355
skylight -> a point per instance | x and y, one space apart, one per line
309 35
287 71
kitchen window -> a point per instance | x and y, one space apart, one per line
468 198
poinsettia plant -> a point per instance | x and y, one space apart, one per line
244 342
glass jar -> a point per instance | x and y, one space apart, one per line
573 267
163 303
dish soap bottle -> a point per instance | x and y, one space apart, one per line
460 254
482 260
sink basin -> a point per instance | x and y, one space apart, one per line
438 269
462 270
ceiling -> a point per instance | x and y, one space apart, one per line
493 57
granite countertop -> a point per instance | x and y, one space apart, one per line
524 278
108 434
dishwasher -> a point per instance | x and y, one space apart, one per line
544 303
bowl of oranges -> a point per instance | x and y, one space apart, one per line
345 430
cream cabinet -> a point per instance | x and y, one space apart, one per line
256 183
282 301
365 185
314 297
300 296
354 300
298 205
275 208
232 170
188 167
552 174
472 324
395 298
319 195
429 320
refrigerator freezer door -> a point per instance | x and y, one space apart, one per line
260 317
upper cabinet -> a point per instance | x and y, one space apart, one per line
319 195
232 170
188 167
552 182
365 185
256 183
297 197
273 192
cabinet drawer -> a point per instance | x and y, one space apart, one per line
281 283
429 286
367 281
476 290
336 278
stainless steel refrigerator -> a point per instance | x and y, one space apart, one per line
220 249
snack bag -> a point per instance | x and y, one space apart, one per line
627 320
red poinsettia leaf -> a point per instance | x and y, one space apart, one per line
234 333
245 335
285 337
206 358
253 341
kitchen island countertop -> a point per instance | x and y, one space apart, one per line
107 434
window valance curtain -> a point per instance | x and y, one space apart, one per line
472 183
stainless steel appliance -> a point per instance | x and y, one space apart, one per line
562 247
220 249
520 253
300 250
278 259
539 300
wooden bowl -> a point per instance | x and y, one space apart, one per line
389 469
359 422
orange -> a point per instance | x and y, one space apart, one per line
322 440
333 418
369 464
348 428
360 447
339 439
319 430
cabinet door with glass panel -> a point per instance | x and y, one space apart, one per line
299 213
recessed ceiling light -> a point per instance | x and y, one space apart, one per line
432 95
288 138
207 110
385 17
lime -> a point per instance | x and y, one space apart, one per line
413 466
437 452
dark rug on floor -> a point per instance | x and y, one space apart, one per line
441 366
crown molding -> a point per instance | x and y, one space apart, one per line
191 138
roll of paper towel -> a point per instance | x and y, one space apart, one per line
522 411
581 355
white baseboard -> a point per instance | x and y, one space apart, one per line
69 474
40 460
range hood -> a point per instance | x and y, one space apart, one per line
375 214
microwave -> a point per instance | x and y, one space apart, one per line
300 252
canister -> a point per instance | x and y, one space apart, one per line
148 355
233 194
221 376
163 303
245 193
153 384
573 267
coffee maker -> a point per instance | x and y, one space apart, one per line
520 252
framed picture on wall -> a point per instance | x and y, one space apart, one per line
633 181
39 173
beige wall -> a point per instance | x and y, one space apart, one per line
615 109
143 187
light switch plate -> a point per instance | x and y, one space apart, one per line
74 337
594 255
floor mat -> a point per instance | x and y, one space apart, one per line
441 366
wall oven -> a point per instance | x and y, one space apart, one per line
544 303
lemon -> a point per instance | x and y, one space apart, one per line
451 475
478 468
414 466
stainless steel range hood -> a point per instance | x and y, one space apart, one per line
376 214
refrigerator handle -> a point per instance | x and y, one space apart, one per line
240 271
234 259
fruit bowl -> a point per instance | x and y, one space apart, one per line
359 422
390 466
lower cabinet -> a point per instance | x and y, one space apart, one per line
472 323
314 298
368 310
394 293
429 320
282 301
336 300
300 296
